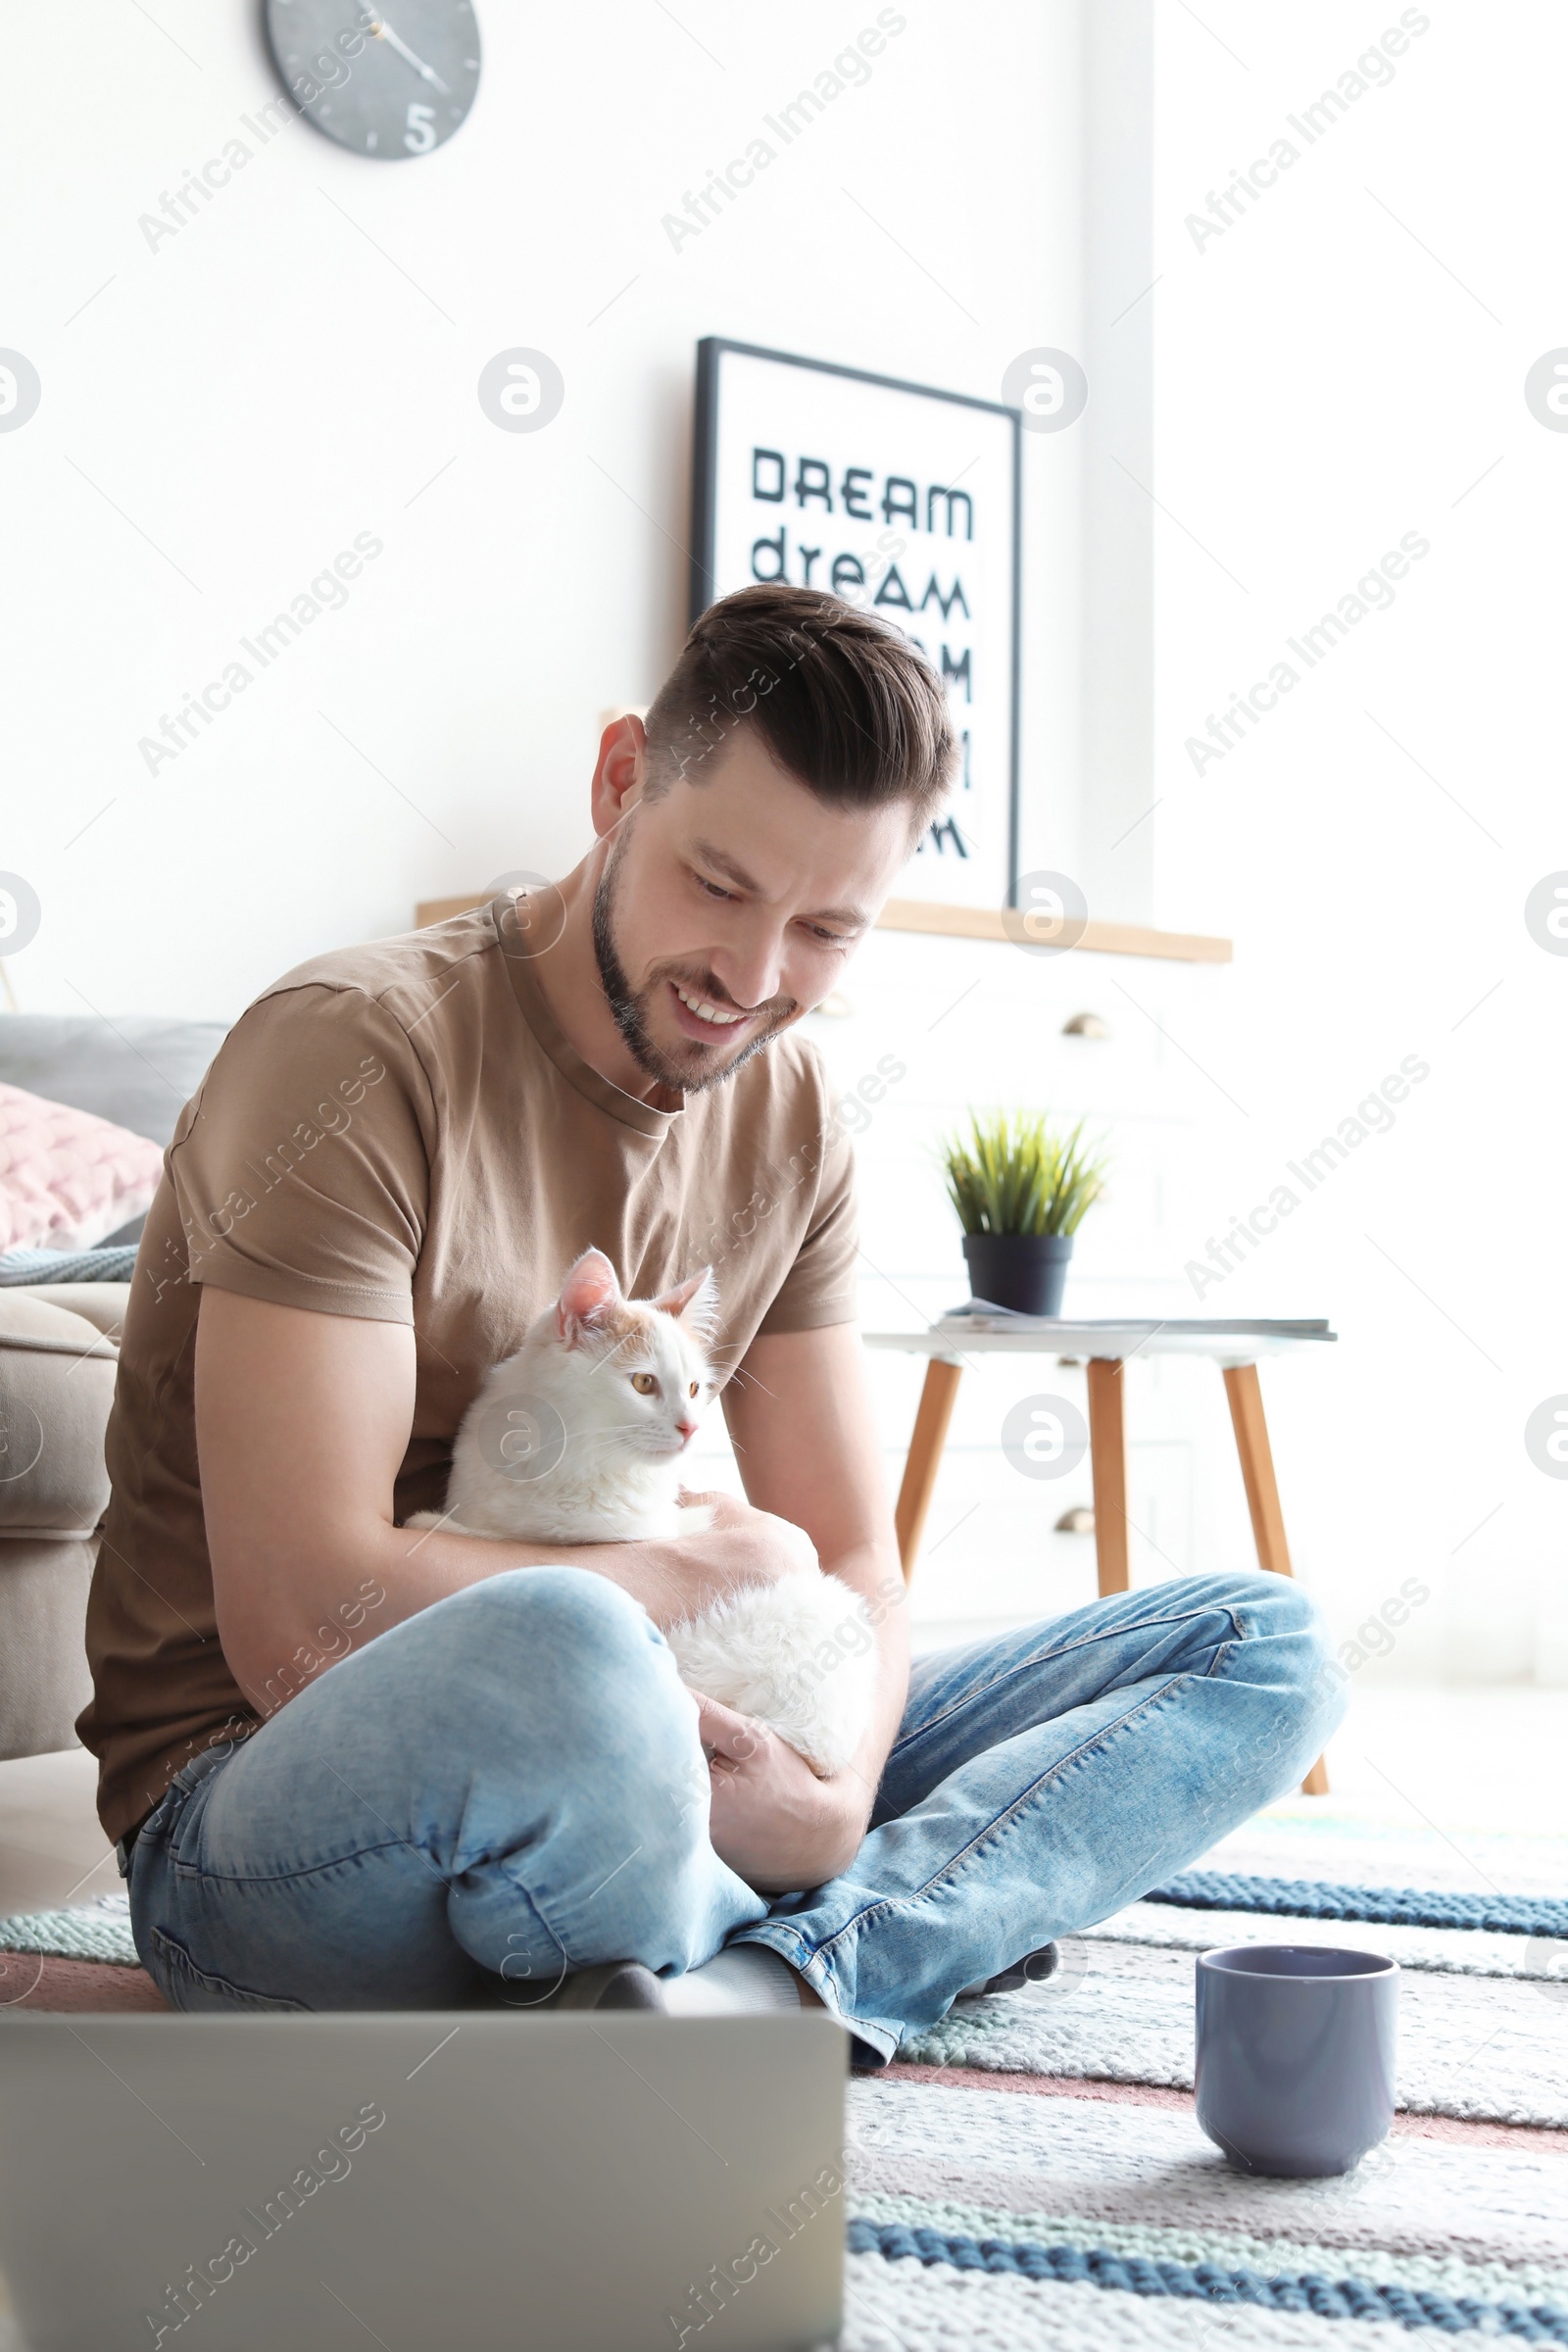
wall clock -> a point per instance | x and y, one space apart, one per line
387 83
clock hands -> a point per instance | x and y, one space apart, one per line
383 31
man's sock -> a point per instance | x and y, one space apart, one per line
745 1980
741 1980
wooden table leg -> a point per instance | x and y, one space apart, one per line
1263 1498
924 1458
1109 1460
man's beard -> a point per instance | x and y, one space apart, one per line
694 1068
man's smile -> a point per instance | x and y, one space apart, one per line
699 1017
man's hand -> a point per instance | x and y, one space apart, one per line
740 1546
773 1820
807 1445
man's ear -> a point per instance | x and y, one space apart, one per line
589 1296
621 772
693 1302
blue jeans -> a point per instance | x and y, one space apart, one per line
509 1786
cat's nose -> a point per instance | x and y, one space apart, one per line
685 1430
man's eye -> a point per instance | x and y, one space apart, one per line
712 889
644 1384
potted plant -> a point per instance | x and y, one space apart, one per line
1021 1192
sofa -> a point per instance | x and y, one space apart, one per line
58 1354
57 1380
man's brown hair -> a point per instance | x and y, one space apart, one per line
842 701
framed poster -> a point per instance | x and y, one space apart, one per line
903 499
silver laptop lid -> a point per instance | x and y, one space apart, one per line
435 2182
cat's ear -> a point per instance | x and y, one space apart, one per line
589 1296
693 1302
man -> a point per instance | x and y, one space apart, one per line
356 1765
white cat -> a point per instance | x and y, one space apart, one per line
577 1439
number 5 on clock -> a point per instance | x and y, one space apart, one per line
420 137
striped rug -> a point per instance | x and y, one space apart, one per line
1030 2176
981 2219
1090 2210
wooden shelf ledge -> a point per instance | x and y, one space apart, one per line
970 922
1099 939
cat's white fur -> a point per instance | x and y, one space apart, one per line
799 1655
568 1442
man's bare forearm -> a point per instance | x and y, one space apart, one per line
873 1573
431 1563
377 1576
365 1577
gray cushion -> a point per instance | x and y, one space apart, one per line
140 1072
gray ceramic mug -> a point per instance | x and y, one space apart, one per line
1295 2046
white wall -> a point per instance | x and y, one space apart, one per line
1323 387
255 392
296 364
1331 377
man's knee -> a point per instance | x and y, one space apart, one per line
1299 1658
539 1620
562 1614
596 1699
562 1633
1260 1603
1280 1610
1322 1682
580 1669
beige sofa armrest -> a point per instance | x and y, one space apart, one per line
57 1382
44 1681
101 1304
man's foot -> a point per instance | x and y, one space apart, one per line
743 1980
614 1984
1033 1969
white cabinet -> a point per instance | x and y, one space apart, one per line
981 1024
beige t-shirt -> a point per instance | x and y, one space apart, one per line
402 1132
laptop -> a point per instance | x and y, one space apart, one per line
431 2181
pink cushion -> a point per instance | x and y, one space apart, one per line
65 1177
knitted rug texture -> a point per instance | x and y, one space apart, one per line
1388 1907
1484 2023
1472 1919
1094 2216
1485 2049
1099 2217
95 1931
981 2219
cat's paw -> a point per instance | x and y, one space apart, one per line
695 1518
425 1519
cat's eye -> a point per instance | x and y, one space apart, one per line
646 1385
694 1387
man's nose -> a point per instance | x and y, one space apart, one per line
752 973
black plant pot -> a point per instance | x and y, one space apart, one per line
1026 1271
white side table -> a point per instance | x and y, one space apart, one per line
1105 1345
